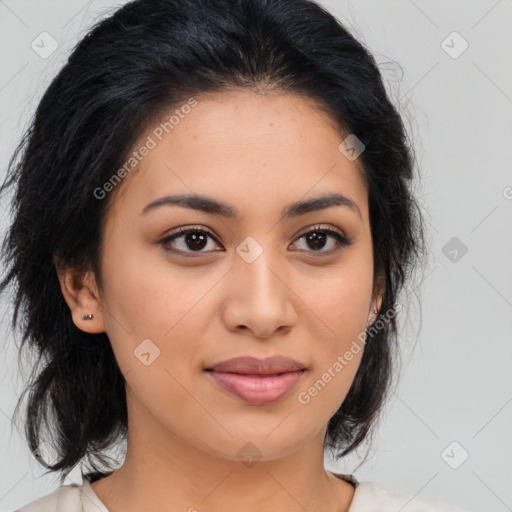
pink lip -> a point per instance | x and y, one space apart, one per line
257 381
257 389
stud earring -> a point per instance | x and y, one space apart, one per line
87 317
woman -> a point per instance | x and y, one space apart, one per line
213 224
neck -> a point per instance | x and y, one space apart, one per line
165 472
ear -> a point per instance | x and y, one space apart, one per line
80 292
376 302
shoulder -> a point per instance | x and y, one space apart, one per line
370 496
64 499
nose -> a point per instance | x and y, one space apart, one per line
259 297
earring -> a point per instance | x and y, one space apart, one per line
87 317
375 310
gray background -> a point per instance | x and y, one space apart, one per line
456 385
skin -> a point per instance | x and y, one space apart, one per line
257 152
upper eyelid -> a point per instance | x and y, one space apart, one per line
320 227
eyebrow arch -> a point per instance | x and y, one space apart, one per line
214 207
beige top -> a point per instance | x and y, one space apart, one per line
368 497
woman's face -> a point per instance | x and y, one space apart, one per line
248 284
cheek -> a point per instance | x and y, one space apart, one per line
148 293
341 297
151 307
155 332
340 303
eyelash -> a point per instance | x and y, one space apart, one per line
342 240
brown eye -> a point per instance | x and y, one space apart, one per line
193 241
318 238
188 240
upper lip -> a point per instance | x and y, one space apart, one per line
254 366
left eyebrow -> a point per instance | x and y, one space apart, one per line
214 207
320 203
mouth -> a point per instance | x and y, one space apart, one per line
255 381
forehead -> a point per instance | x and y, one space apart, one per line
255 151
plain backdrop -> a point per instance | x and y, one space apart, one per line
446 431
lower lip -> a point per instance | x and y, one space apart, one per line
257 390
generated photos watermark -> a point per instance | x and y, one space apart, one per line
150 143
